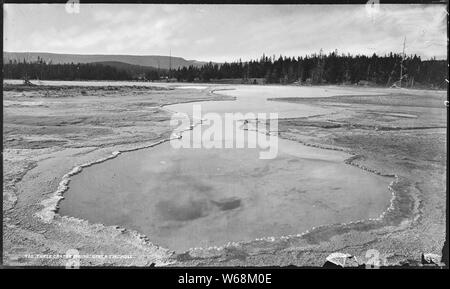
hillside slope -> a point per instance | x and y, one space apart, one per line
163 62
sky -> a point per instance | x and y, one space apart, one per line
225 32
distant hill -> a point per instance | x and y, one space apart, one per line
163 62
130 68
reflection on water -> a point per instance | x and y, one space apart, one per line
196 197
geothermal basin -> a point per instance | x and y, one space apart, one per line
196 197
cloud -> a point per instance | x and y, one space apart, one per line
225 32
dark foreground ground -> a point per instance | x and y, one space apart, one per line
48 131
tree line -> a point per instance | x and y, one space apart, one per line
319 68
326 69
42 70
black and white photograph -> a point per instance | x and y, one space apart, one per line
225 135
